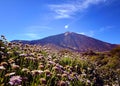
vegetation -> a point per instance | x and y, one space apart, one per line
115 51
34 65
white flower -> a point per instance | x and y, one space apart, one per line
2 68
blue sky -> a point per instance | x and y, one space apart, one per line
36 19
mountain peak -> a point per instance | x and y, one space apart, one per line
67 33
73 41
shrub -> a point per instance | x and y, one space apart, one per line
115 51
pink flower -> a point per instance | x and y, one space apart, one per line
15 80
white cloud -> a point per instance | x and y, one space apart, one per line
67 10
89 33
92 33
32 35
82 33
86 3
63 10
37 28
105 28
35 31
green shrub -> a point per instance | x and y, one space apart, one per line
115 51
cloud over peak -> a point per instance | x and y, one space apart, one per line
67 10
63 10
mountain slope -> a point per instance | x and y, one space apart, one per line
73 41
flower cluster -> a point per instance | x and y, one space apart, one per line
35 65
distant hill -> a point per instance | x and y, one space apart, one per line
72 41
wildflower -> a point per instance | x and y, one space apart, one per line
74 74
55 60
65 72
9 74
9 44
2 48
67 67
59 76
88 81
14 66
30 58
23 55
41 66
31 54
25 70
48 65
51 62
49 57
4 64
9 52
26 45
83 75
64 75
43 81
2 68
15 80
36 72
89 68
1 53
4 57
47 72
59 66
62 83
68 83
40 57
11 61
55 68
